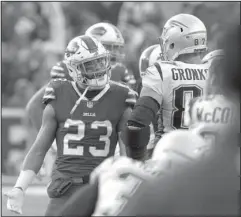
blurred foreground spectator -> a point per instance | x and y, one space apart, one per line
35 33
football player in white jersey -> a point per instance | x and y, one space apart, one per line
213 111
168 85
111 37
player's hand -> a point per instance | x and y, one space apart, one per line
15 200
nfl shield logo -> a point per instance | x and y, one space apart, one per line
90 104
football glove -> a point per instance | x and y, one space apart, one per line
15 200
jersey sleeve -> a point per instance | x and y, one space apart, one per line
131 98
123 120
49 94
51 89
153 84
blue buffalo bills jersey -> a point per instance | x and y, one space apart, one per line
88 136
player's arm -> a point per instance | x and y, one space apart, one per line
35 105
137 134
34 159
35 108
120 128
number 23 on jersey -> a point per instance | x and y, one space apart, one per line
77 137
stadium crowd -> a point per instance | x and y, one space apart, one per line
28 28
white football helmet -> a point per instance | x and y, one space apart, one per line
212 55
180 146
183 34
88 62
111 37
148 57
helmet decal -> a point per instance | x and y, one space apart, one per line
91 45
99 31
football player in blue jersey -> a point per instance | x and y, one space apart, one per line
112 39
83 116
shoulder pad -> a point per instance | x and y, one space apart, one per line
151 71
131 95
50 90
155 72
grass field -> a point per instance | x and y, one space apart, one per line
36 198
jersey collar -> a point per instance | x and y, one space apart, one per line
97 97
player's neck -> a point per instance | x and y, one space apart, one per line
90 93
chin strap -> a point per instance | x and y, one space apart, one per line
79 100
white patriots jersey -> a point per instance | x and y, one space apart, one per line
213 117
172 85
118 179
211 109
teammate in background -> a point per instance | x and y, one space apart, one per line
169 84
112 39
85 119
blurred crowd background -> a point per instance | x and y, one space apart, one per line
34 36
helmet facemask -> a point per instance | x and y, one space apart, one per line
94 72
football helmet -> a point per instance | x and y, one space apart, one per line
180 146
183 34
212 55
88 62
148 57
111 37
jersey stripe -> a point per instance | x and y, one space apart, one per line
158 67
48 95
91 46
